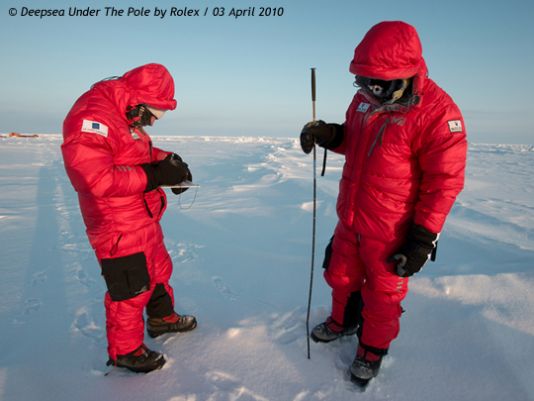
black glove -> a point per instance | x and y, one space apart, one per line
178 191
170 171
411 257
318 132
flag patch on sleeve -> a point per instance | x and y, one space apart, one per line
95 127
455 126
363 107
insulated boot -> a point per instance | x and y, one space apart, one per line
170 324
330 331
365 366
141 360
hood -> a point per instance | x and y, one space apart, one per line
151 84
390 50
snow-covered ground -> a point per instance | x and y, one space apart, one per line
241 252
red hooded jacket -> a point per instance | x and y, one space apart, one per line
404 163
102 158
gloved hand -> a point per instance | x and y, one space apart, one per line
169 171
318 132
411 257
177 159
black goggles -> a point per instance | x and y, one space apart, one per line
379 88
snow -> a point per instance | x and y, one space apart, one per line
241 252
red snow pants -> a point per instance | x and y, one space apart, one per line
124 318
360 264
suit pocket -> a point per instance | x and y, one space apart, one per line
126 276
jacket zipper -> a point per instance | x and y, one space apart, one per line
162 199
378 137
115 246
147 208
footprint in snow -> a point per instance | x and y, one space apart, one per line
232 387
223 288
84 324
32 305
82 276
183 252
288 327
39 278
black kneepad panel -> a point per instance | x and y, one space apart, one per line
126 276
328 254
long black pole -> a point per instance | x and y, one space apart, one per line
314 219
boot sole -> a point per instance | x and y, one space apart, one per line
360 383
320 340
155 333
157 365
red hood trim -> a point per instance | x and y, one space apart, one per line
391 50
150 84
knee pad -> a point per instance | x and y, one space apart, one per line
126 276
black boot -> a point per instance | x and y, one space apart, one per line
170 324
366 366
330 331
142 360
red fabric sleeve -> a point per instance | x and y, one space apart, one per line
91 169
158 154
442 160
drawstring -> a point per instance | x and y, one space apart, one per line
147 208
324 162
115 246
378 136
192 202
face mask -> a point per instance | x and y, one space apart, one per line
383 91
140 116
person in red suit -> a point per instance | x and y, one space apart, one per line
404 143
117 174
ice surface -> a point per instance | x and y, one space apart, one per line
241 257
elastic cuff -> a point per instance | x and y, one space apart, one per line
337 137
421 235
151 182
374 350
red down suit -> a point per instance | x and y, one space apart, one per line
102 157
404 164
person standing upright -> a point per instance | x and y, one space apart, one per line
404 143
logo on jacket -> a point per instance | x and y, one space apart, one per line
363 107
94 127
455 126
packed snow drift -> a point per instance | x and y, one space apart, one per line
241 247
